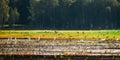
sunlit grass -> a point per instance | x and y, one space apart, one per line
62 34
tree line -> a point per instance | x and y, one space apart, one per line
60 14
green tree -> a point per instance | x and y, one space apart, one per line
42 10
4 12
14 16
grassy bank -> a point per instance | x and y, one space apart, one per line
62 34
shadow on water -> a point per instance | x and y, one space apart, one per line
39 57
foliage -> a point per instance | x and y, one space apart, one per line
62 14
4 12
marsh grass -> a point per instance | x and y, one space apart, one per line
62 34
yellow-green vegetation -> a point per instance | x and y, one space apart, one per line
62 34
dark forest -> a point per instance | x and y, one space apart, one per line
60 14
